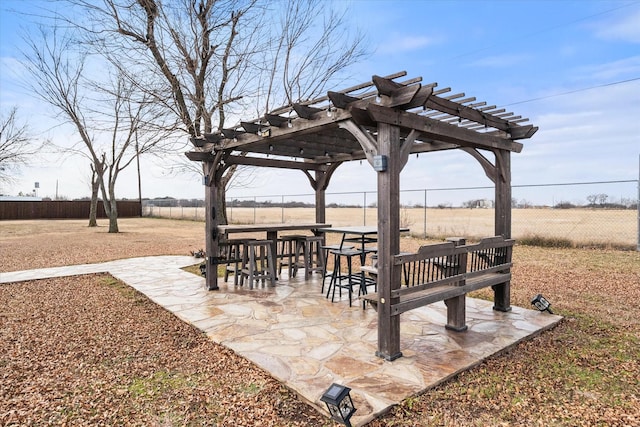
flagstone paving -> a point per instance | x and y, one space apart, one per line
307 342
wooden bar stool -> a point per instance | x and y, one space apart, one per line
233 250
337 277
326 249
309 255
287 253
258 262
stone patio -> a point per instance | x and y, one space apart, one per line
308 343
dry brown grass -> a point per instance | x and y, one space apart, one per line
89 350
601 227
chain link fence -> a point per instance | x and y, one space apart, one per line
598 214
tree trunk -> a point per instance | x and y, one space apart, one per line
113 210
93 209
109 203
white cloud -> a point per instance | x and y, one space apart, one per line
501 61
627 67
627 28
406 43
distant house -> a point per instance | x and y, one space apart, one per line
480 204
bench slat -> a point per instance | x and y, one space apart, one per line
439 293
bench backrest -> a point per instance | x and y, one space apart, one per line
446 264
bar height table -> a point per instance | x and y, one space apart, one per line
271 230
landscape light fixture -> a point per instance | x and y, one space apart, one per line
339 402
541 303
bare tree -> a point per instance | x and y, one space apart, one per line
207 61
95 189
17 146
107 115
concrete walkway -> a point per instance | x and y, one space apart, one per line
307 342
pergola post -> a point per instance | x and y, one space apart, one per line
388 240
211 227
502 292
321 202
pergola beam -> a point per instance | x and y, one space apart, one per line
439 131
273 163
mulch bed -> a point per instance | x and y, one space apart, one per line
91 351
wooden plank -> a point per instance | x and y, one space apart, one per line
419 99
273 163
275 120
522 132
305 111
198 142
360 86
426 252
490 242
402 96
298 129
385 86
415 289
212 137
439 131
252 127
200 156
232 133
460 110
441 293
341 100
361 115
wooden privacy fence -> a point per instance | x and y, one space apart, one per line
62 209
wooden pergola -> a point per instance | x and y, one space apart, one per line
383 121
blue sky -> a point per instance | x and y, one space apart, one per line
571 67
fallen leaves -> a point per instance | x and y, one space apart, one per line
91 351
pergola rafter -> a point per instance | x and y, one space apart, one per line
383 118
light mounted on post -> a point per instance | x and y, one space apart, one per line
379 163
339 402
541 303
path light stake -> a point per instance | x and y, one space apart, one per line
339 402
541 303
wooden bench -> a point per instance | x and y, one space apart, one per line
445 272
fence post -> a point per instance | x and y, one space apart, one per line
364 209
425 213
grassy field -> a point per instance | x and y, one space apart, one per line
582 227
91 351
